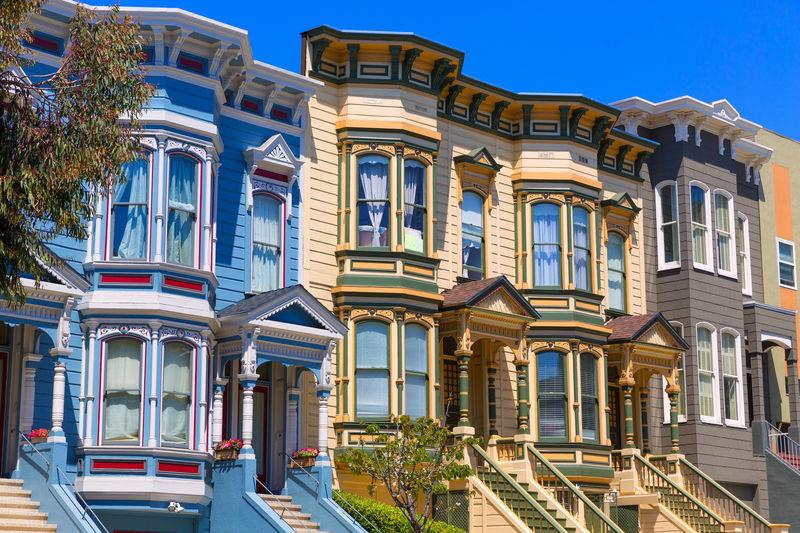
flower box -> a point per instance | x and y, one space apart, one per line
228 454
38 436
304 462
37 440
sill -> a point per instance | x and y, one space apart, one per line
748 292
710 420
726 274
669 266
735 424
702 267
794 288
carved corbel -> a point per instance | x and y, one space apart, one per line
681 123
475 104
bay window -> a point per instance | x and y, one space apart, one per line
617 283
551 394
182 210
266 243
372 369
415 211
589 404
701 215
122 396
546 245
667 225
581 254
416 347
786 264
731 381
707 370
472 236
372 209
723 229
743 253
176 396
129 211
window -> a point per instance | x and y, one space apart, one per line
700 211
415 214
581 255
472 236
373 202
678 327
731 381
743 253
723 228
182 210
546 245
267 238
552 394
416 345
617 284
372 369
667 223
129 212
786 264
707 368
176 396
122 395
589 405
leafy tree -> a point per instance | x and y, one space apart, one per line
61 137
413 459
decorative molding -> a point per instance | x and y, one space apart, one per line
172 145
140 330
168 332
681 123
421 154
259 185
150 142
373 147
387 314
546 196
538 346
418 317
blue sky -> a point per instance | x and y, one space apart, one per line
745 51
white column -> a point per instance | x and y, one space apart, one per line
88 438
202 367
28 390
59 379
219 389
247 415
162 163
82 394
154 328
98 226
207 244
89 240
292 420
323 396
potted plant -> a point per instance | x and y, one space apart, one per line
304 457
228 450
37 436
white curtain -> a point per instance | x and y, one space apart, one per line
374 177
416 346
616 272
176 394
706 362
699 227
722 219
267 221
130 212
182 210
413 217
546 245
580 237
123 396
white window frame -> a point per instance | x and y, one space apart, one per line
778 242
707 226
732 273
662 263
198 199
281 240
190 436
747 275
737 343
101 437
715 419
678 326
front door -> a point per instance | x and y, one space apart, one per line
261 431
3 391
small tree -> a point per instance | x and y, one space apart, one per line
413 459
61 137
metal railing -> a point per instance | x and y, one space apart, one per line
513 495
783 447
568 495
284 510
714 495
64 480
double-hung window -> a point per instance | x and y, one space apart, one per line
787 275
707 371
546 245
723 229
701 215
415 211
472 236
617 283
589 403
416 346
552 394
129 211
372 369
731 377
182 210
267 239
123 397
373 202
743 253
176 394
667 225
581 249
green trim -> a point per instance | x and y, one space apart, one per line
474 156
382 254
400 199
570 247
554 291
582 470
360 280
595 320
642 141
348 153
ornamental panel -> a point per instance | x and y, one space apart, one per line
545 196
415 152
123 329
373 147
176 333
387 314
538 346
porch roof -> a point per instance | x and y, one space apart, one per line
470 293
633 328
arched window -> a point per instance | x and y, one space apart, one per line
581 255
265 268
743 253
372 369
415 211
731 377
552 394
123 375
546 245
723 230
701 217
182 210
416 344
589 402
176 394
129 211
707 370
667 224
472 236
617 282
373 202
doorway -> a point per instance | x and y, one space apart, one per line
4 359
261 431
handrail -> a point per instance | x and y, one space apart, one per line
702 519
521 500
306 472
284 509
84 503
567 494
717 497
784 447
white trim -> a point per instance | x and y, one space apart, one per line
709 265
747 274
786 342
152 488
778 242
191 438
662 264
737 343
678 326
715 419
732 258
101 404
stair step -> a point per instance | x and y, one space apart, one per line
22 514
15 524
303 524
4 481
15 492
276 497
17 503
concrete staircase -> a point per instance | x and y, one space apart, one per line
291 512
18 512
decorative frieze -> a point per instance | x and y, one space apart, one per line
546 196
538 346
419 317
415 152
168 332
106 330
372 147
387 314
259 185
149 142
173 144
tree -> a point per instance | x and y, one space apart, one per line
413 459
62 140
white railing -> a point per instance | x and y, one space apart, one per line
783 447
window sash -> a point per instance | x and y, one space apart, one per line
667 220
786 264
700 211
372 393
552 394
122 395
472 236
546 249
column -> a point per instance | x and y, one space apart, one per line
28 390
323 394
151 436
627 395
82 393
643 402
207 212
491 373
463 357
98 226
673 418
793 391
59 380
61 350
292 421
202 405
219 390
523 396
160 166
88 437
247 412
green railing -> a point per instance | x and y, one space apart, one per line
568 495
714 495
513 495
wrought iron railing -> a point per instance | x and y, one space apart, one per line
568 495
783 447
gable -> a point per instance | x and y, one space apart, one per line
501 301
659 335
295 314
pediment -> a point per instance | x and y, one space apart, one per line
501 301
724 110
621 201
274 155
659 335
296 313
480 157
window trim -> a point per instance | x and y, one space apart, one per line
560 245
778 242
423 207
709 266
715 419
565 404
682 418
747 267
101 420
191 441
733 272
387 200
150 157
589 250
281 247
597 361
388 369
198 203
407 372
484 254
662 263
624 272
737 346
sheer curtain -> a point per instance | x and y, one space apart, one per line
416 345
414 215
372 369
699 225
580 232
176 395
546 246
182 211
267 221
373 176
706 361
123 396
616 272
472 236
130 212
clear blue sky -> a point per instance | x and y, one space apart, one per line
745 51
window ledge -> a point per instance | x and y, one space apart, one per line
669 266
735 424
702 267
726 274
787 286
712 421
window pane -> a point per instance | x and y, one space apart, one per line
616 252
182 211
724 251
785 252
787 274
130 212
267 236
546 245
472 235
472 248
416 396
667 203
552 419
731 398
373 217
372 345
580 231
372 393
616 272
698 205
550 370
373 224
729 354
704 349
472 213
670 234
721 213
699 245
589 396
552 398
416 349
123 397
414 198
706 395
176 397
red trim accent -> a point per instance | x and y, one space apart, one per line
128 279
271 175
250 105
200 228
178 283
280 114
191 64
150 211
168 467
284 253
43 42
3 374
118 464
265 428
